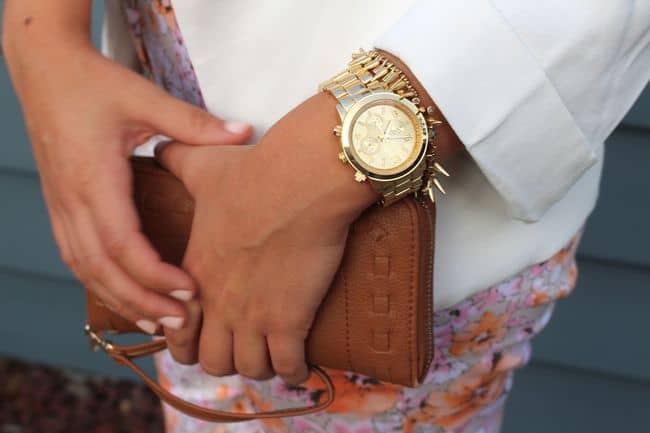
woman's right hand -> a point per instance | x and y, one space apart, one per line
84 115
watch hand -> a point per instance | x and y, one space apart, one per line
387 127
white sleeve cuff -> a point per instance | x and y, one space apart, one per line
496 97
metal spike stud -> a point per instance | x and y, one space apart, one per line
440 169
428 190
436 182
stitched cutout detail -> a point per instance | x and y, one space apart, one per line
412 289
381 341
381 267
347 325
381 304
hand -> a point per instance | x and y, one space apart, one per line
85 114
268 234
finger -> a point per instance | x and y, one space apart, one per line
184 343
251 355
105 299
175 157
189 124
60 230
215 345
118 224
95 265
288 357
74 247
102 294
61 239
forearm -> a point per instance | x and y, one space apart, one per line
43 41
44 26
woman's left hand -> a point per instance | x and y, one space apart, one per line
269 229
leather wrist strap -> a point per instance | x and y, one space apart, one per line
125 355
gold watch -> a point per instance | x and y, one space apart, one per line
385 135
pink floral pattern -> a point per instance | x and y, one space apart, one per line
160 48
479 342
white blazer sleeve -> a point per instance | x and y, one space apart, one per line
531 88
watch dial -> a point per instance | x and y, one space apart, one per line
384 137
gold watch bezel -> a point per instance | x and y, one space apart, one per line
412 111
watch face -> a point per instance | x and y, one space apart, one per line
385 138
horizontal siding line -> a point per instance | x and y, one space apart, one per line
36 275
19 172
635 128
591 372
614 263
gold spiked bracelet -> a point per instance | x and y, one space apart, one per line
371 73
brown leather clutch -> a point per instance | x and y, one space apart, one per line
376 319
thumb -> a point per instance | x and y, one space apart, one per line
174 156
191 125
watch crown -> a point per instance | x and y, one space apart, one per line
337 130
342 157
359 177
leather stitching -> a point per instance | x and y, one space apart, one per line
411 315
347 324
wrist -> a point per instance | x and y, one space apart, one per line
302 149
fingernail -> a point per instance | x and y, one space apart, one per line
172 322
147 326
182 295
236 127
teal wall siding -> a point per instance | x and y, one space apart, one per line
591 366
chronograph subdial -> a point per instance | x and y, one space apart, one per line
370 145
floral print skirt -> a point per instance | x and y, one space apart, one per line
479 342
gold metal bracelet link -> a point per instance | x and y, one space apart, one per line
369 72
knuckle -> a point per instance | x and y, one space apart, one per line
180 341
214 366
214 370
95 266
115 246
293 323
252 370
199 121
257 314
121 310
84 190
130 304
288 370
182 356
